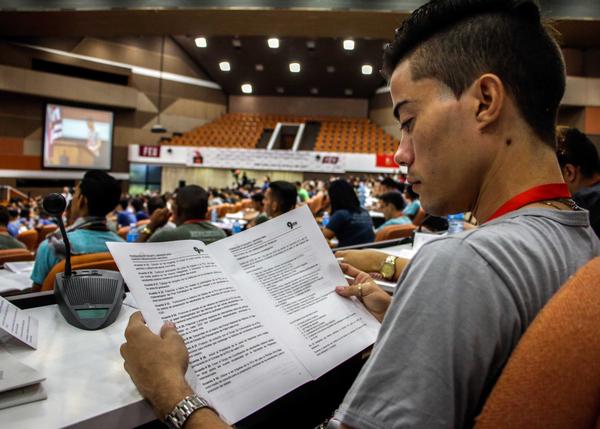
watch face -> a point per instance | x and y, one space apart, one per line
388 270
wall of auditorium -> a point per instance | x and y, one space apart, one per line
218 178
299 106
184 105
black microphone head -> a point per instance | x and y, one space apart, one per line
54 204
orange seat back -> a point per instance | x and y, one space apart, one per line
552 378
14 255
44 231
394 231
29 238
419 217
101 261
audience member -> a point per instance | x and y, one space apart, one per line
124 216
6 240
14 222
280 198
349 222
138 209
155 203
189 214
463 80
578 159
412 208
96 195
302 193
391 205
387 184
259 206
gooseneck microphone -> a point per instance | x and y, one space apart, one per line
55 205
88 299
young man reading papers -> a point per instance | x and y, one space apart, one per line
475 87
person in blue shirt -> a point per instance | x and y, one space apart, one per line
14 224
95 197
349 222
391 205
138 208
413 206
124 216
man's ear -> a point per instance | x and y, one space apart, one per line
570 173
82 201
490 95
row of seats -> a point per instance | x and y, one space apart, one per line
33 237
336 134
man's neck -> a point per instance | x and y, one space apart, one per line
587 182
517 168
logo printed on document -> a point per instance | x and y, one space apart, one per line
291 225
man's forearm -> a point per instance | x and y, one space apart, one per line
205 418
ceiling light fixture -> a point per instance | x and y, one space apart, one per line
310 44
348 44
237 43
314 91
247 88
330 69
348 91
279 90
366 69
259 67
201 42
295 67
273 43
225 66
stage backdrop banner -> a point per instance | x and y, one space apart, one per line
262 159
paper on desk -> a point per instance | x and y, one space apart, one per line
14 374
18 324
21 267
12 282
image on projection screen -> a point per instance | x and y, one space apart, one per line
75 137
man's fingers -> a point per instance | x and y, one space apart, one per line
349 269
168 329
359 290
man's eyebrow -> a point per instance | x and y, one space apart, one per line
397 108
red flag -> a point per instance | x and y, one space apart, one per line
386 160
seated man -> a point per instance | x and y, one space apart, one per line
259 206
413 206
124 216
578 159
280 198
463 80
189 214
155 203
6 240
14 222
391 205
96 195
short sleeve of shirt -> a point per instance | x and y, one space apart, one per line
450 326
412 208
45 259
338 221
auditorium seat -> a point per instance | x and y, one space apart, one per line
44 231
15 255
100 261
394 231
29 238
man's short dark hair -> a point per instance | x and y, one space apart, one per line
455 41
192 202
394 198
258 197
410 193
574 147
155 203
4 218
137 204
390 183
285 194
101 191
124 202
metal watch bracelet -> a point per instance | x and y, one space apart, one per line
184 409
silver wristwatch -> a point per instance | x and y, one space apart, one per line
176 418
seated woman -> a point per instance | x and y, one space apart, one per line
349 223
413 206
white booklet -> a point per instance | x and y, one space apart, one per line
257 310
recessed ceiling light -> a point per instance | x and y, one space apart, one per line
273 43
225 66
295 67
279 90
348 44
236 43
366 69
330 69
310 44
348 91
314 90
259 67
200 42
247 88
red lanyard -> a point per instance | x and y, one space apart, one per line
550 191
195 221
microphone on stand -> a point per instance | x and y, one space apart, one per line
88 299
55 205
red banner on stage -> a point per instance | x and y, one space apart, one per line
386 160
149 151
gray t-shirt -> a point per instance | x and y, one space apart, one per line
459 310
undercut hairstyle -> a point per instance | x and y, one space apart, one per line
394 198
192 202
101 191
285 194
456 41
410 193
574 147
342 196
155 203
4 218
